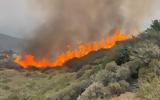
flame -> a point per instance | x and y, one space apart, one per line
28 60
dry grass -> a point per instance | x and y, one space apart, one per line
13 83
126 96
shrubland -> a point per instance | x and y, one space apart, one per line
130 66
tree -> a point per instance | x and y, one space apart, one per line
155 25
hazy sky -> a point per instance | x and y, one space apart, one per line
16 20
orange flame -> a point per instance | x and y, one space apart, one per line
83 49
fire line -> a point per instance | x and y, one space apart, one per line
29 60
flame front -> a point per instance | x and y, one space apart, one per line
83 49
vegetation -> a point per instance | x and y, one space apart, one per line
130 66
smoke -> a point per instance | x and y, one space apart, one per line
70 21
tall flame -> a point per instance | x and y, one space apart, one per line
28 60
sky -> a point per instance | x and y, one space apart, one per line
16 20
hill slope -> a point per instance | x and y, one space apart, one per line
8 42
130 70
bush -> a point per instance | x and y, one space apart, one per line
149 90
108 74
87 74
124 85
4 79
105 77
152 33
146 74
149 80
4 87
150 72
115 88
97 91
133 66
93 92
155 25
113 73
144 52
20 97
16 97
112 67
71 92
123 73
122 57
118 88
156 65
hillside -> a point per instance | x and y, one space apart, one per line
130 70
9 42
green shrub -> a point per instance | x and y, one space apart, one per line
108 74
4 79
122 57
71 92
150 72
115 88
112 67
123 73
5 87
155 25
156 65
146 74
152 33
118 88
133 66
17 97
113 73
97 91
149 90
124 85
145 52
105 77
23 97
93 92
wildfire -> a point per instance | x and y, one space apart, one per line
28 60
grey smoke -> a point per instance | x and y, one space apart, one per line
70 21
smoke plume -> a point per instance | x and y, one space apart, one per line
70 21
